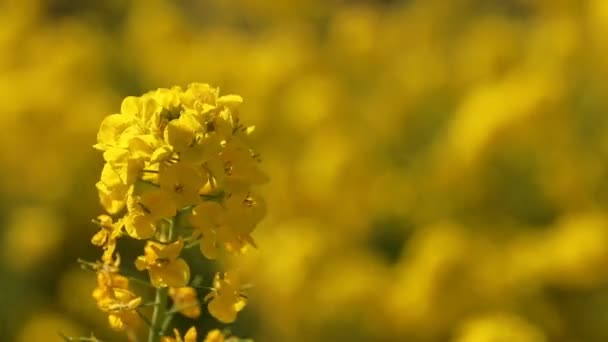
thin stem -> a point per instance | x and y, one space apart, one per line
166 323
80 339
158 316
139 281
192 244
162 295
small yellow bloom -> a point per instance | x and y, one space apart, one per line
145 212
164 265
112 190
190 336
114 297
111 130
145 109
205 218
107 235
108 232
198 95
183 182
214 336
186 300
237 168
189 139
142 147
226 300
243 213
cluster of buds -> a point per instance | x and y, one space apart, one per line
178 172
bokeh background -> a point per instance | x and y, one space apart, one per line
438 167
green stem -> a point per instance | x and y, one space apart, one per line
158 316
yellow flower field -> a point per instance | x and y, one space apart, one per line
399 170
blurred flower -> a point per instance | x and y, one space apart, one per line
41 325
501 327
186 300
23 245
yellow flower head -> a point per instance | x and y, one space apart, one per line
170 152
164 265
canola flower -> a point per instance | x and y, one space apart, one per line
170 154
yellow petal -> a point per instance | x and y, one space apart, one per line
181 133
100 238
158 204
222 310
209 247
214 336
162 153
190 335
112 198
110 130
141 263
176 273
130 106
206 215
143 146
140 226
116 322
230 100
172 250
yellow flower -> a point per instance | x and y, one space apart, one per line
168 98
143 147
183 182
226 300
243 213
109 231
214 336
114 297
237 168
199 96
229 225
145 212
121 307
126 167
168 151
111 130
112 190
107 235
145 109
190 139
186 300
190 336
164 265
205 218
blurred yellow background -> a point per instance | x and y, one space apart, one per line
438 168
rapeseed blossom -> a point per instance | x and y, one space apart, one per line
171 153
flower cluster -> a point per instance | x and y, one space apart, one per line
178 172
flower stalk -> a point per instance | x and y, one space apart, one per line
158 316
